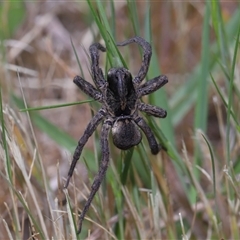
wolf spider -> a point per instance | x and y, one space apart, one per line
120 98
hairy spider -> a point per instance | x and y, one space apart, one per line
120 97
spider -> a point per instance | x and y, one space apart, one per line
120 98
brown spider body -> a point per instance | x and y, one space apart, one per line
120 97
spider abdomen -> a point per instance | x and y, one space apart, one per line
126 134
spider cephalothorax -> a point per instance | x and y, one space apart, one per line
120 97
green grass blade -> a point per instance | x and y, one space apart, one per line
8 165
12 13
126 165
220 33
141 164
55 106
113 20
159 98
76 55
224 102
230 99
119 202
200 120
213 163
101 20
71 217
147 23
134 17
202 86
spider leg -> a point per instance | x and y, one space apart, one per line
152 85
97 73
87 133
88 88
147 53
107 125
154 146
152 110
